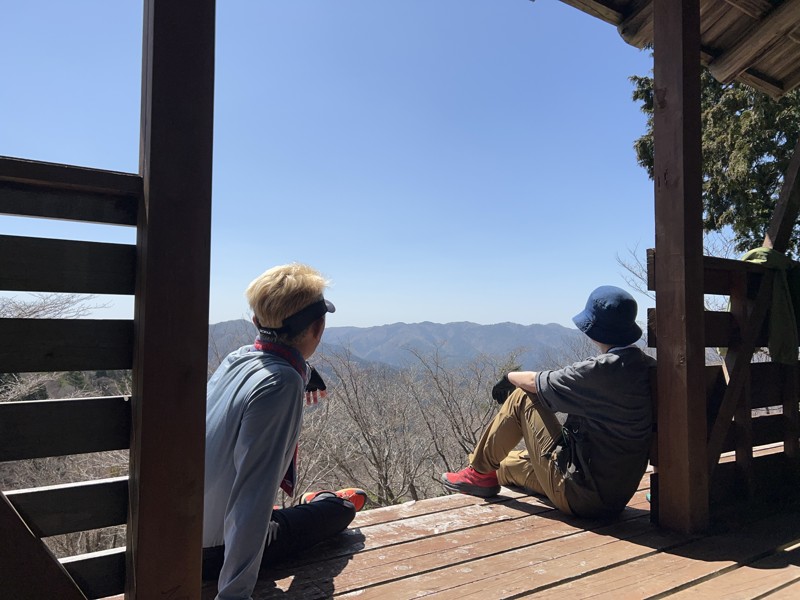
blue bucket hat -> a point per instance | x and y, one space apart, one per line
609 317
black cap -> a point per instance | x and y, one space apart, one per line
294 324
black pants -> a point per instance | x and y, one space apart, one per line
291 531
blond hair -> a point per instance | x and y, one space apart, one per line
282 291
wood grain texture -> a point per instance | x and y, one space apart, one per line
31 345
48 265
784 218
683 475
39 189
41 428
174 239
736 59
58 509
28 570
99 574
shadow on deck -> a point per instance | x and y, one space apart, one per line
516 545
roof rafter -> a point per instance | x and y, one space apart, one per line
777 23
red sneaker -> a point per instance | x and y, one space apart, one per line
357 497
469 481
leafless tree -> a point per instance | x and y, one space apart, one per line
455 402
16 387
375 439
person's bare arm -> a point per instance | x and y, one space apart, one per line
525 380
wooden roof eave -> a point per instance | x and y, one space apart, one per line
746 59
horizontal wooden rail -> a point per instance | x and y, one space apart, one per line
766 430
765 386
717 274
65 345
45 265
59 509
41 428
39 189
99 574
721 330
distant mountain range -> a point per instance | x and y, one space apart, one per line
538 346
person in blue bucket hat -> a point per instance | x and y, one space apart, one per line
586 426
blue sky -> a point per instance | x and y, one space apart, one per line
438 160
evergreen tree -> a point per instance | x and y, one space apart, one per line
748 140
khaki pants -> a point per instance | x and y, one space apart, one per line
523 417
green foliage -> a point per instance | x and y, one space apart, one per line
748 140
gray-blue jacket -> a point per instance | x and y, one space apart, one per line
254 413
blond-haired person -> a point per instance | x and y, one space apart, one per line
254 414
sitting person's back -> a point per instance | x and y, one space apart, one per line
586 427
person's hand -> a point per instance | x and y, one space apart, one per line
502 389
315 389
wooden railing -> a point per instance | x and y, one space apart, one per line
739 391
46 428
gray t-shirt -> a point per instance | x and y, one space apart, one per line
608 403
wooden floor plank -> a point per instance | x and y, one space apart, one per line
433 505
665 572
442 551
788 592
584 551
410 509
460 547
387 533
770 574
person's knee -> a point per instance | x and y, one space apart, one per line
339 513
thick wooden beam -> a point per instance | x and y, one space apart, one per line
39 345
784 218
70 507
637 28
736 59
41 428
28 570
601 10
168 441
718 273
68 177
743 416
39 189
100 574
683 470
719 328
753 8
45 265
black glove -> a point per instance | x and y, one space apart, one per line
502 389
315 382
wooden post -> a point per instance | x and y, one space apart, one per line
683 467
785 216
171 311
743 420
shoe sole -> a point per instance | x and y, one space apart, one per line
470 490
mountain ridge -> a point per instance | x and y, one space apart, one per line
536 345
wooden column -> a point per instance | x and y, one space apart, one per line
683 467
171 311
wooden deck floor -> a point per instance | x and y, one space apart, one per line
518 546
